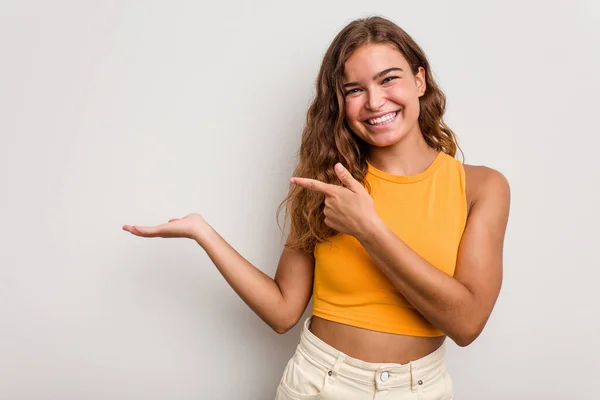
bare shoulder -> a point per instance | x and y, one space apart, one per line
484 184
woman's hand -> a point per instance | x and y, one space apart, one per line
348 209
190 227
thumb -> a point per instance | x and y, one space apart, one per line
347 178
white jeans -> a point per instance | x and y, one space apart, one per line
319 371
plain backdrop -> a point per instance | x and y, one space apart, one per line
135 112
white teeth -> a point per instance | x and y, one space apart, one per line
385 118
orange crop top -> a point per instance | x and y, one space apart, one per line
428 211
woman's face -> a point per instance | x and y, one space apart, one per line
382 95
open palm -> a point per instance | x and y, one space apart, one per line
186 227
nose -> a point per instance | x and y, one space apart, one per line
375 100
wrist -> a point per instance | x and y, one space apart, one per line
372 228
201 233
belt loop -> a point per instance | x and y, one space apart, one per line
410 369
336 367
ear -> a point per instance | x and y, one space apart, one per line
421 81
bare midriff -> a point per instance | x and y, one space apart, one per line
373 346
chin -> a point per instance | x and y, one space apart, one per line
383 139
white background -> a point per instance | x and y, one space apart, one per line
135 112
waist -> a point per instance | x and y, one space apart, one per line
409 373
372 346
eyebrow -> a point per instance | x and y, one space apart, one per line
377 76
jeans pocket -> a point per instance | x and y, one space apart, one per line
438 386
303 378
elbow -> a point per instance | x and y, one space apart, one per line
467 335
464 340
280 330
279 327
282 327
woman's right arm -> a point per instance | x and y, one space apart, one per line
279 302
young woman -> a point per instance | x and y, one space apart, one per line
399 243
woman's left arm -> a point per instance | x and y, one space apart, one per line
460 305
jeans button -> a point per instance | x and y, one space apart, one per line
384 376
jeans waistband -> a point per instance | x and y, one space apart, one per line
381 374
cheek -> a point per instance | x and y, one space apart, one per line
409 100
352 109
415 106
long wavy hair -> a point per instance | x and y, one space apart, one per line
327 138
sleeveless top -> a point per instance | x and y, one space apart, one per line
428 211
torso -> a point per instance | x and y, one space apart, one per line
372 346
380 347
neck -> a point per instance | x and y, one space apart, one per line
410 156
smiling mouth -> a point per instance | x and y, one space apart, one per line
383 120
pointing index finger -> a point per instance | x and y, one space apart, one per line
313 184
